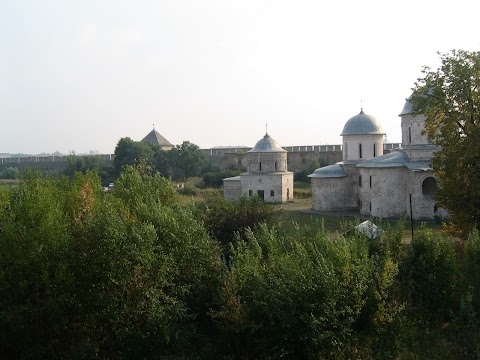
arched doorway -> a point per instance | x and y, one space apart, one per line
429 186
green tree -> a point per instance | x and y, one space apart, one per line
88 274
215 178
10 173
295 298
471 269
449 97
161 162
188 158
430 277
81 163
223 218
129 152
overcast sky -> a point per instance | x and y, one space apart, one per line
79 75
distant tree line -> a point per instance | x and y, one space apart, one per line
180 163
134 273
10 172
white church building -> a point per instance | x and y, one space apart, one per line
267 175
397 184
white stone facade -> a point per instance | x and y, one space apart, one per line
267 175
401 183
361 147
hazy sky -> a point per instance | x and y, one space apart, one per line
79 75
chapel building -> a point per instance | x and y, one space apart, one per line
397 184
267 175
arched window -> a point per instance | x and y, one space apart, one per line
409 135
260 166
359 151
276 166
374 150
429 186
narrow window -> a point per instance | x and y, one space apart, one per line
260 166
272 193
275 167
370 207
360 150
370 181
360 181
409 135
250 192
374 150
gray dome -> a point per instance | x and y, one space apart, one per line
407 108
362 124
267 144
331 171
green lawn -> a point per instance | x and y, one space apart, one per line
7 183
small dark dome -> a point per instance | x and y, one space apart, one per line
267 144
362 124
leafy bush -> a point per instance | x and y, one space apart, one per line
10 173
471 269
87 274
215 179
188 189
430 275
223 218
294 298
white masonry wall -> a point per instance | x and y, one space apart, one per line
280 183
232 188
386 196
351 147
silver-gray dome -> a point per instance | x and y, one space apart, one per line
267 144
362 124
407 108
331 171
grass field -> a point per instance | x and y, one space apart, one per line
299 211
6 183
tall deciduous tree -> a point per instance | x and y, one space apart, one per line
449 97
129 152
188 158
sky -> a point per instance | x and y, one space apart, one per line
76 76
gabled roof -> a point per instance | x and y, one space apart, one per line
155 138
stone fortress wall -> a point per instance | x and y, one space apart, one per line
46 164
299 158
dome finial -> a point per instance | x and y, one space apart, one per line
361 106
266 129
153 126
